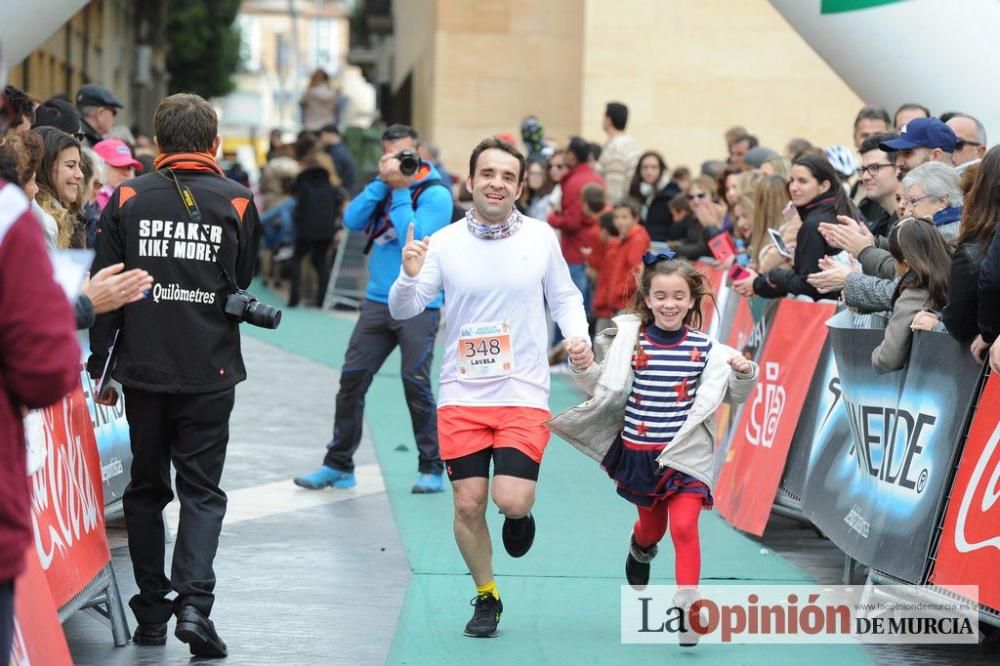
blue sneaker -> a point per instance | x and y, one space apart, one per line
428 483
326 476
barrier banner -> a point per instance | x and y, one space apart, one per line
111 432
67 502
745 333
755 460
823 419
38 635
969 549
878 494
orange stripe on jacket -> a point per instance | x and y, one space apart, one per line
240 204
124 194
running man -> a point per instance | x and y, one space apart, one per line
498 269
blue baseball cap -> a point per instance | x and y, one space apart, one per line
922 133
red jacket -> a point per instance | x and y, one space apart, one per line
602 305
39 360
572 221
628 258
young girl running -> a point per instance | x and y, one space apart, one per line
650 422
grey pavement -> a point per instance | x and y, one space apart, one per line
318 585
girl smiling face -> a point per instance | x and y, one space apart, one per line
66 175
670 300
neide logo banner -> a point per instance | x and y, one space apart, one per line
879 494
750 476
969 549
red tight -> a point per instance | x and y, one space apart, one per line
683 510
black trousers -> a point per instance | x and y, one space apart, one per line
317 252
190 431
375 336
6 620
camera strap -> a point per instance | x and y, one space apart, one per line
380 223
194 214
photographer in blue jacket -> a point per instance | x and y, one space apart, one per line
407 191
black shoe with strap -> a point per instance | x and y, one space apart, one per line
518 535
195 629
150 634
486 617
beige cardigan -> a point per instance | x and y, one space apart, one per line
592 426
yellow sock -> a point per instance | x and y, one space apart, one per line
489 588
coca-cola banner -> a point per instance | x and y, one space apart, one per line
969 550
67 503
755 460
878 494
38 636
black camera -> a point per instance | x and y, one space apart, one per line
409 162
243 306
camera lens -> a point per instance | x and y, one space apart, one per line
408 162
264 316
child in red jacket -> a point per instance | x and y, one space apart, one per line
601 267
633 242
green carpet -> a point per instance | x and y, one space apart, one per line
561 599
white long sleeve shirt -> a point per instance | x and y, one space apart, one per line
496 338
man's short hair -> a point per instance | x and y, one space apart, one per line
980 129
872 143
397 132
496 143
595 151
909 106
872 113
593 197
617 113
185 123
712 168
580 149
751 140
632 204
58 113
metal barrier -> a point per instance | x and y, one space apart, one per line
102 599
349 275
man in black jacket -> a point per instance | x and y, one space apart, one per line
178 358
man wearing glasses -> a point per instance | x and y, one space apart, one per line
877 178
98 108
971 144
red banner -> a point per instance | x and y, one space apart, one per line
969 549
38 636
67 498
716 280
755 461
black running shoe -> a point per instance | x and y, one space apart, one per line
485 618
518 535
